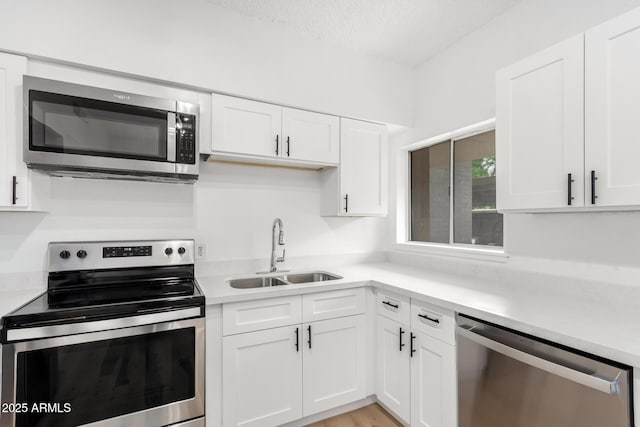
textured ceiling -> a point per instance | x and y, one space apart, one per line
403 31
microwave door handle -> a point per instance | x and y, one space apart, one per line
608 386
171 137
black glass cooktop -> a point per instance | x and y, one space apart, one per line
89 295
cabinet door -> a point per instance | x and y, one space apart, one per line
12 167
262 378
334 369
433 383
363 168
393 367
245 127
310 136
540 135
612 110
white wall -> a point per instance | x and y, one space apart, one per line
193 42
231 208
456 88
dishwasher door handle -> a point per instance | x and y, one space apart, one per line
606 386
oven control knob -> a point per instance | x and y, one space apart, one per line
81 253
168 251
65 254
181 250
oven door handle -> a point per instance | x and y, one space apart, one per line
101 325
604 385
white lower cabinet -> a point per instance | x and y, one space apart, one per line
334 368
262 378
281 374
393 369
416 371
433 383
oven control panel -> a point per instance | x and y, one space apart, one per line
67 256
125 251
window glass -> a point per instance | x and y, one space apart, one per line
476 220
430 206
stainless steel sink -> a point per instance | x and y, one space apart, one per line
316 276
256 282
285 279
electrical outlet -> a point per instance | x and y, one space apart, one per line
201 251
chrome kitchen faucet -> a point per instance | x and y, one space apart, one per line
277 223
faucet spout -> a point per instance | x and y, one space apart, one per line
277 225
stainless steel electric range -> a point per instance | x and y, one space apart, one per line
116 340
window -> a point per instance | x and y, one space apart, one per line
453 192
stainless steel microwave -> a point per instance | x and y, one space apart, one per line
84 131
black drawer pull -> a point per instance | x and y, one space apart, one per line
297 339
14 193
413 350
346 203
430 319
288 145
396 306
277 144
593 187
309 329
569 191
401 343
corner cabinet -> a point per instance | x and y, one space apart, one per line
567 136
358 187
258 132
14 176
416 364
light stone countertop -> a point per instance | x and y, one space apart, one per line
582 320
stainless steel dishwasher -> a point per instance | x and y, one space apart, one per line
509 379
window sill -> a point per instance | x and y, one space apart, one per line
458 251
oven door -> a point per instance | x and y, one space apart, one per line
75 126
151 375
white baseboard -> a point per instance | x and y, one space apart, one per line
332 412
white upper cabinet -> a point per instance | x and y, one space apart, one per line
310 136
257 132
540 141
567 134
612 111
245 127
359 186
14 176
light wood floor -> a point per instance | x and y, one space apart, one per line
369 416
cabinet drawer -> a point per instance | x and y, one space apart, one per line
255 315
395 307
434 321
327 305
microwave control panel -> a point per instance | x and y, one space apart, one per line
185 138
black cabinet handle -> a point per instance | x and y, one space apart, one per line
277 144
401 343
288 144
309 329
430 319
593 187
569 192
346 203
297 339
413 350
14 194
391 305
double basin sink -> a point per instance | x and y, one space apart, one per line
282 280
